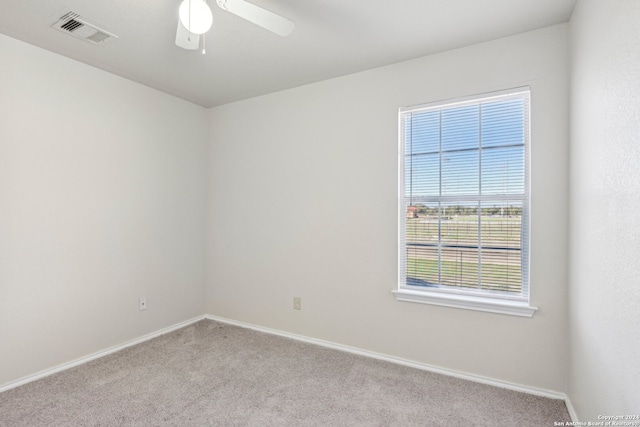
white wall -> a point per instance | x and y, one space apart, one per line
605 206
102 189
303 189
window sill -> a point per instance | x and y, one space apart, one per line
514 308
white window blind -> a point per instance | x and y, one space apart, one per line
464 198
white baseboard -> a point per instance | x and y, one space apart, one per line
97 355
572 411
354 350
400 361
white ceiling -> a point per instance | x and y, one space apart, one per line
331 38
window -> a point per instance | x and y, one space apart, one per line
464 203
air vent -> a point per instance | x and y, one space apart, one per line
72 24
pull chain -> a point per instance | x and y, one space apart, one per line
204 39
189 38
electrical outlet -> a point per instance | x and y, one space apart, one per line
142 303
297 303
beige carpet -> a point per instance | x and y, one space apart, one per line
211 373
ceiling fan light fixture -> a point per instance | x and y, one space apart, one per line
196 16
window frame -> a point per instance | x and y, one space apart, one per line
481 300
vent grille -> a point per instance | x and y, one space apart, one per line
71 23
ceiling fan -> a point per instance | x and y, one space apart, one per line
196 19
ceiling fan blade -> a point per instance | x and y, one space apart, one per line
186 40
259 16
